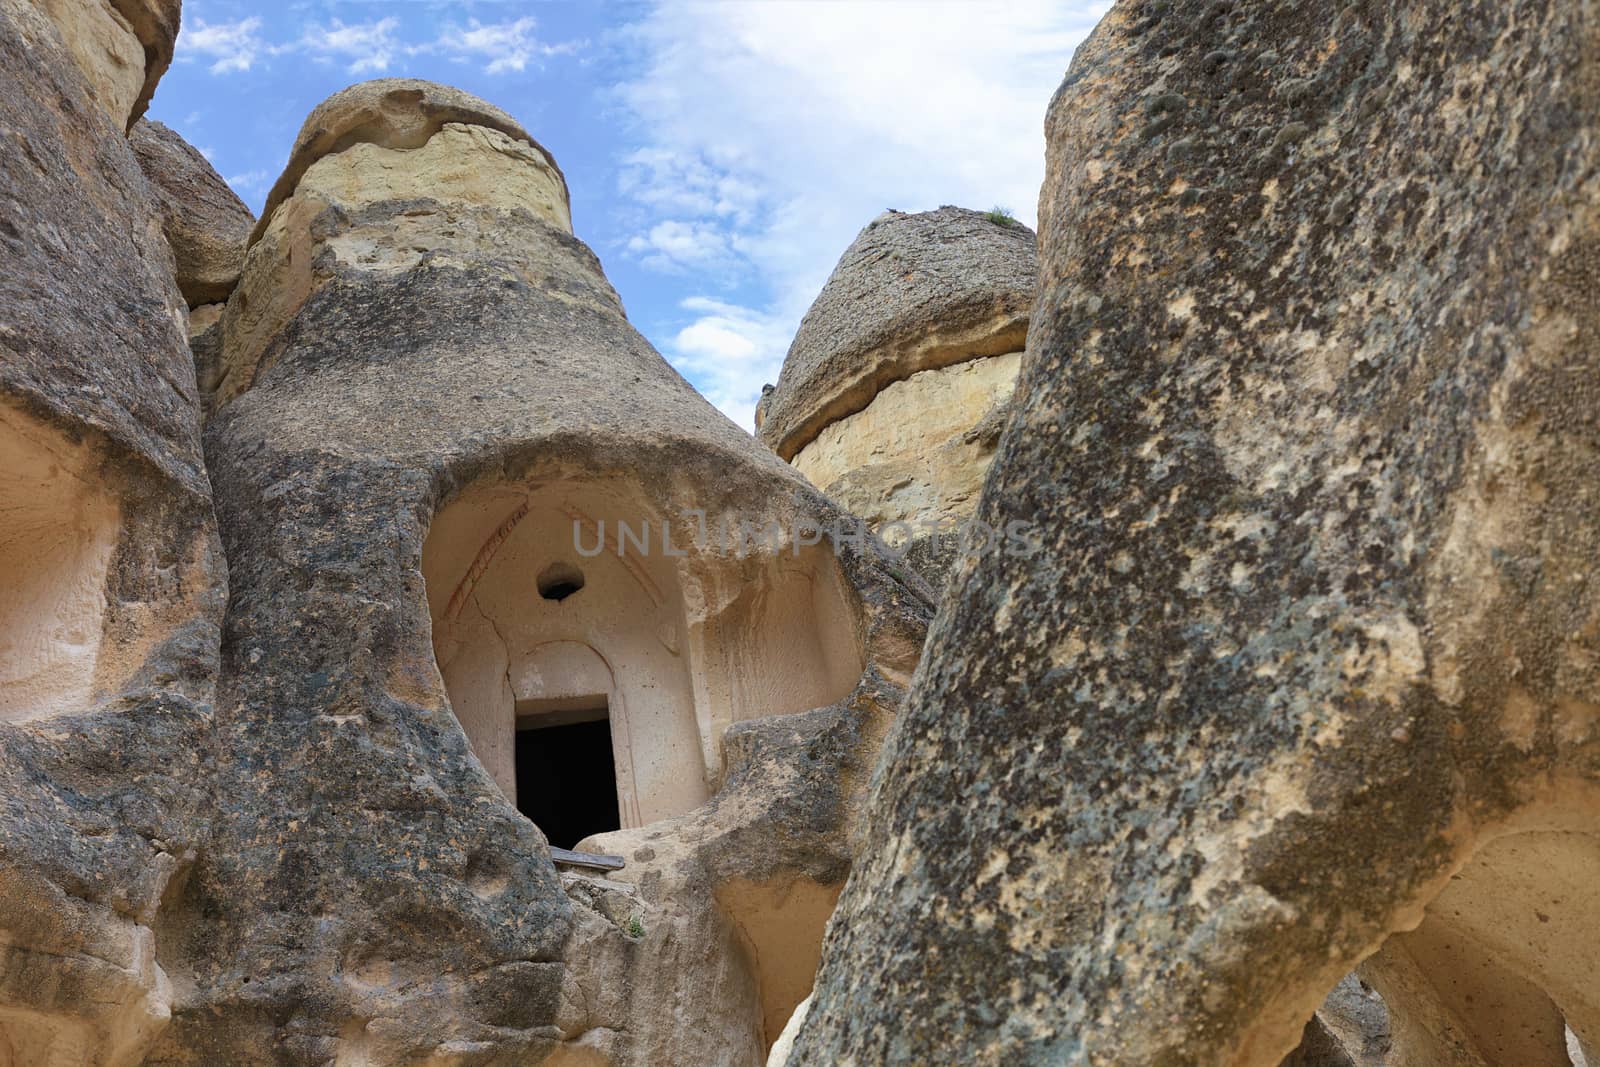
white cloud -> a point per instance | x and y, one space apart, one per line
231 46
729 351
506 45
250 182
680 182
784 127
673 245
368 46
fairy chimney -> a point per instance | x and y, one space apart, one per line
896 388
501 579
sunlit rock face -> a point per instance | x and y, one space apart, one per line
500 578
111 577
1305 674
895 389
120 47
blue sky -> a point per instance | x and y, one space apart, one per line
720 155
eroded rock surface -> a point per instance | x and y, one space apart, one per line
111 579
1309 658
429 404
121 47
205 221
893 393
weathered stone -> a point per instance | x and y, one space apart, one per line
1356 1022
422 424
1309 655
892 395
398 114
911 463
122 47
205 221
392 139
205 344
111 578
1351 1029
911 293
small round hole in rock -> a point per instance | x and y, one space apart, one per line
559 581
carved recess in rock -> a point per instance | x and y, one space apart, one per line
58 529
674 639
1308 669
113 580
427 378
893 393
1501 968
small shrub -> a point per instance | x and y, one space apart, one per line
635 927
1001 216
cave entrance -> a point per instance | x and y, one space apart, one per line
566 773
532 608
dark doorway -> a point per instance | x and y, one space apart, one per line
566 777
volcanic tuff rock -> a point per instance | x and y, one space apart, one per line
893 393
430 403
205 221
911 292
111 576
275 822
122 47
392 138
1311 654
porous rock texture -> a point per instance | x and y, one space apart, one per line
419 363
111 575
1305 672
204 220
892 395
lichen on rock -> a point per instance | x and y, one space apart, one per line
1305 669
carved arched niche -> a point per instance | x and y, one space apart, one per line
535 624
59 527
1503 967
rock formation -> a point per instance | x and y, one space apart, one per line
473 526
1306 671
111 576
205 222
897 384
206 225
1282 746
121 47
486 551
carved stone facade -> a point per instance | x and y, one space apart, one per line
274 817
